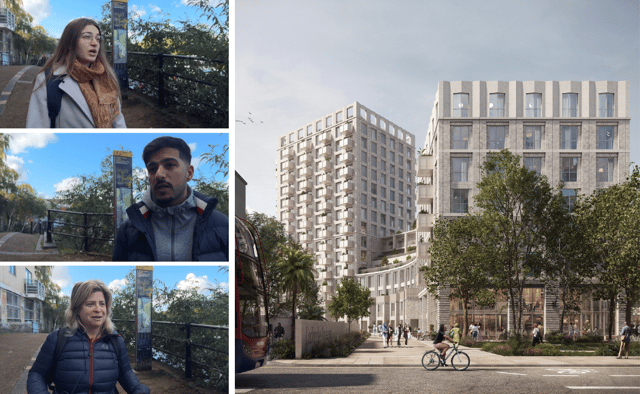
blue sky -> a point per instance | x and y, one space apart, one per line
297 61
50 162
180 276
54 15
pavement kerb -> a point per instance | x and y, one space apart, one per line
21 384
371 356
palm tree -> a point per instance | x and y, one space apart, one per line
295 268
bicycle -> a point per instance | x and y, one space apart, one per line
459 360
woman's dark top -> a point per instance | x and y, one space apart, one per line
439 337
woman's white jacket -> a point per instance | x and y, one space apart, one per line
74 110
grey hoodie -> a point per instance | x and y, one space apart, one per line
173 228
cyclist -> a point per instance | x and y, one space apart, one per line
438 344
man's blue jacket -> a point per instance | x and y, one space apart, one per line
135 240
84 366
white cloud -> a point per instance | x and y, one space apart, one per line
60 276
193 146
137 11
155 9
39 9
15 163
199 283
67 184
117 284
20 142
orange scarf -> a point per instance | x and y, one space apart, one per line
99 92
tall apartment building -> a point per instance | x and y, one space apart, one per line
345 180
575 132
21 299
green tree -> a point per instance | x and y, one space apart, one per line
611 217
310 302
296 272
54 303
24 206
351 300
460 259
512 201
273 239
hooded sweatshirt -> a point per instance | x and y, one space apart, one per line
173 228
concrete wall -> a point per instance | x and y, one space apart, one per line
310 332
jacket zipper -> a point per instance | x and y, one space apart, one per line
90 364
173 237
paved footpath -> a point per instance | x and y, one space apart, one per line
372 353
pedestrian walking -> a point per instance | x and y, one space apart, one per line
479 331
88 355
380 329
407 331
570 330
77 88
625 340
390 337
385 334
399 334
455 333
535 334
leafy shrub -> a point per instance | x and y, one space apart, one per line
468 342
283 349
534 351
607 349
503 350
341 346
590 339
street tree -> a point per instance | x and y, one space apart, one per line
55 304
24 206
611 217
512 201
460 260
351 300
296 273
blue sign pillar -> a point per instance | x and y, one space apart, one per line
119 17
122 186
144 296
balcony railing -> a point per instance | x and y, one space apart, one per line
34 289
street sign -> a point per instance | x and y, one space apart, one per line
144 296
119 10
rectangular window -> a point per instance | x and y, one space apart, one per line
374 147
13 307
534 105
605 137
532 137
374 189
374 161
363 213
459 169
533 164
363 199
374 175
569 137
329 121
606 105
459 137
569 166
374 203
383 165
383 192
495 137
363 185
363 157
338 117
363 142
374 216
569 105
496 105
349 112
459 200
364 171
460 105
604 169
383 139
569 198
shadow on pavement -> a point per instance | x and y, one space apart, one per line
297 381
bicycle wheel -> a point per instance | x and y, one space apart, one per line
431 360
460 361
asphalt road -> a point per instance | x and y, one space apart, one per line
511 380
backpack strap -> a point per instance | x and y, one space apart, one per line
54 96
60 343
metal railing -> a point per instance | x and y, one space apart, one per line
170 346
177 80
86 236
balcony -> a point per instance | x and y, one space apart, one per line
290 229
325 220
324 275
306 237
287 216
348 201
288 178
347 144
327 289
326 152
425 194
305 224
349 273
306 173
348 158
288 166
33 289
347 187
325 260
306 146
305 198
347 129
325 233
306 212
347 258
289 153
425 166
306 159
346 244
305 185
325 165
346 215
347 173
325 206
324 248
346 229
287 191
324 179
425 221
288 204
325 138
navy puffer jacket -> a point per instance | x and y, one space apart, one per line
135 240
84 367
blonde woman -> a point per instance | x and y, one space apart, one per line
92 357
88 92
